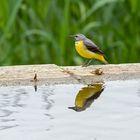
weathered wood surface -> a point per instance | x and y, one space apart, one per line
53 74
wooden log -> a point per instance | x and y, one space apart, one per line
53 74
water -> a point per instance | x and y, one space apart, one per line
101 111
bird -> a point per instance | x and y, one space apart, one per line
87 49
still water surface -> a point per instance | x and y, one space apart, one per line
101 111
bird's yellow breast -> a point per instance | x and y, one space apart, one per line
83 51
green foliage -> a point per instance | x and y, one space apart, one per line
34 32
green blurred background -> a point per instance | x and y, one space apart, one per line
36 31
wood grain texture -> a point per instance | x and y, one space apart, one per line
53 74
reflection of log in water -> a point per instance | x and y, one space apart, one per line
87 95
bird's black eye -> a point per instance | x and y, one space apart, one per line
76 36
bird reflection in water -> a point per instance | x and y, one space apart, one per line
87 95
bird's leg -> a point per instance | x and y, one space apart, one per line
89 62
86 63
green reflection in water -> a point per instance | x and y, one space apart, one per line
87 95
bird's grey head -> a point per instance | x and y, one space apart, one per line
78 37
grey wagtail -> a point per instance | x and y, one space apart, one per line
87 49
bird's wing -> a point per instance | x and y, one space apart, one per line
92 47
